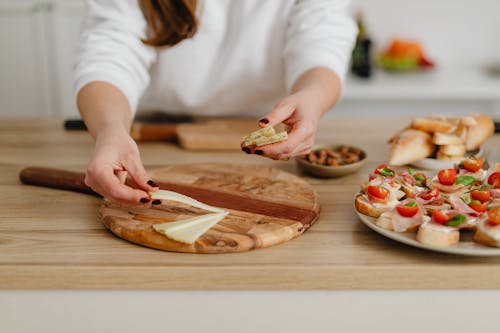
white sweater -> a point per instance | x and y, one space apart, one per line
244 58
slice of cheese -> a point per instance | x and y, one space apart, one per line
261 141
189 230
177 197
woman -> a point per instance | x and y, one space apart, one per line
212 57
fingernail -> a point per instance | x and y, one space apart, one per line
259 152
264 121
246 150
144 200
152 183
156 202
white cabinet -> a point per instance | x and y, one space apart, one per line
24 72
37 41
64 21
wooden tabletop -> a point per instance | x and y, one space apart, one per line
52 239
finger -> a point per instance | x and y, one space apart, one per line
297 138
110 186
122 176
280 113
140 176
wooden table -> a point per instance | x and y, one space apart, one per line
52 239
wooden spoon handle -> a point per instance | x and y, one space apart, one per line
55 178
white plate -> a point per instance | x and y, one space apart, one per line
434 164
466 246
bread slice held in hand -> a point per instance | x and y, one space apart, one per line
409 146
264 136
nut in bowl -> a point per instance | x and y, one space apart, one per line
330 161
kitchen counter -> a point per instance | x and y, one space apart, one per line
52 239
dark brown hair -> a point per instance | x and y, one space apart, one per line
169 21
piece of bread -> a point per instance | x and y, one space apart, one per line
461 132
385 221
446 139
364 206
487 234
477 134
436 234
433 125
453 150
409 146
444 157
468 121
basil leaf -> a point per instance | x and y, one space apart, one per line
456 220
386 172
465 180
411 204
467 200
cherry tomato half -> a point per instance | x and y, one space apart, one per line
440 217
429 194
480 195
473 164
478 206
407 211
377 192
494 179
494 214
447 176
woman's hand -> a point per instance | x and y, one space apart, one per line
115 155
295 112
313 94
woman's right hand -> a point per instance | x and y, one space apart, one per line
116 155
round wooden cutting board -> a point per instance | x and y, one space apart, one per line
266 207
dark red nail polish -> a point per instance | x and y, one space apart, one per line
264 121
152 183
144 200
246 150
156 202
259 152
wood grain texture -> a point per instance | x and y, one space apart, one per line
54 239
266 207
218 134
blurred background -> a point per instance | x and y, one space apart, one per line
413 57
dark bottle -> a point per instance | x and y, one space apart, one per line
361 64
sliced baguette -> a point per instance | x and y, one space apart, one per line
445 157
364 206
446 139
453 150
433 125
477 134
436 234
409 146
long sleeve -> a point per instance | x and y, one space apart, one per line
319 33
110 48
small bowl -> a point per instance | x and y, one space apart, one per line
324 171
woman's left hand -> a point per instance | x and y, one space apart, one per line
297 113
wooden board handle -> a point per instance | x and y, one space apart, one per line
55 178
154 132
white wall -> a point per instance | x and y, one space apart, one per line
454 32
38 40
